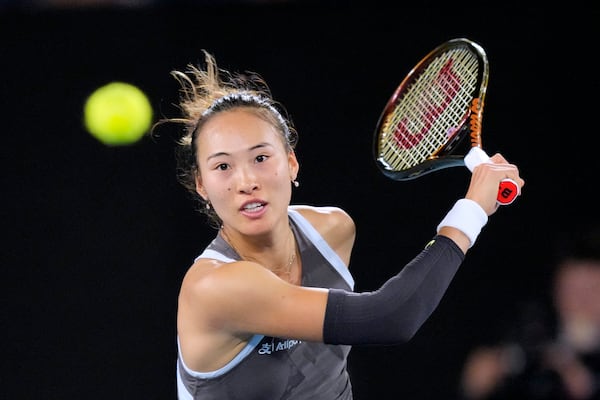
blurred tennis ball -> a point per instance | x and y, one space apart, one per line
117 114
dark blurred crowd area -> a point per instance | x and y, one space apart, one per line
551 350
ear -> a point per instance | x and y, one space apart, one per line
294 165
199 187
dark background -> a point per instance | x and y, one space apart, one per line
96 239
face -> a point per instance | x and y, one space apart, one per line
245 171
577 294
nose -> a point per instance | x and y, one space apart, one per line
246 181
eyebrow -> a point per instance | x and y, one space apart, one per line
222 153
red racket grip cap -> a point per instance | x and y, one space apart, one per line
507 192
508 189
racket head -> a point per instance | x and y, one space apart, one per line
433 111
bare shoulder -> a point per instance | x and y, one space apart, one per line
209 286
334 224
325 219
202 278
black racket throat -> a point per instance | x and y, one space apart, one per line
452 155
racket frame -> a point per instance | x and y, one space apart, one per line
469 125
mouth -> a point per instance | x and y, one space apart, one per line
252 207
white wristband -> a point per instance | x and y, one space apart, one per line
468 217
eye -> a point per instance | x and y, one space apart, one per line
261 158
222 167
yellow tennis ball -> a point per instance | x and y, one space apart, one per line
118 114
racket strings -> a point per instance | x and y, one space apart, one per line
430 109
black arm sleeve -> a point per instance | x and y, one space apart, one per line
393 313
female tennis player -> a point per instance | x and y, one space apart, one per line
267 309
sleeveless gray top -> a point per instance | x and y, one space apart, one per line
271 368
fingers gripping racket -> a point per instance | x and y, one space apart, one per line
435 109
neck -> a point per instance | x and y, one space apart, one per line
277 255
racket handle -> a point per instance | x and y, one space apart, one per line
508 189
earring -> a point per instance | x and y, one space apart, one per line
207 205
296 183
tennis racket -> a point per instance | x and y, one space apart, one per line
435 111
